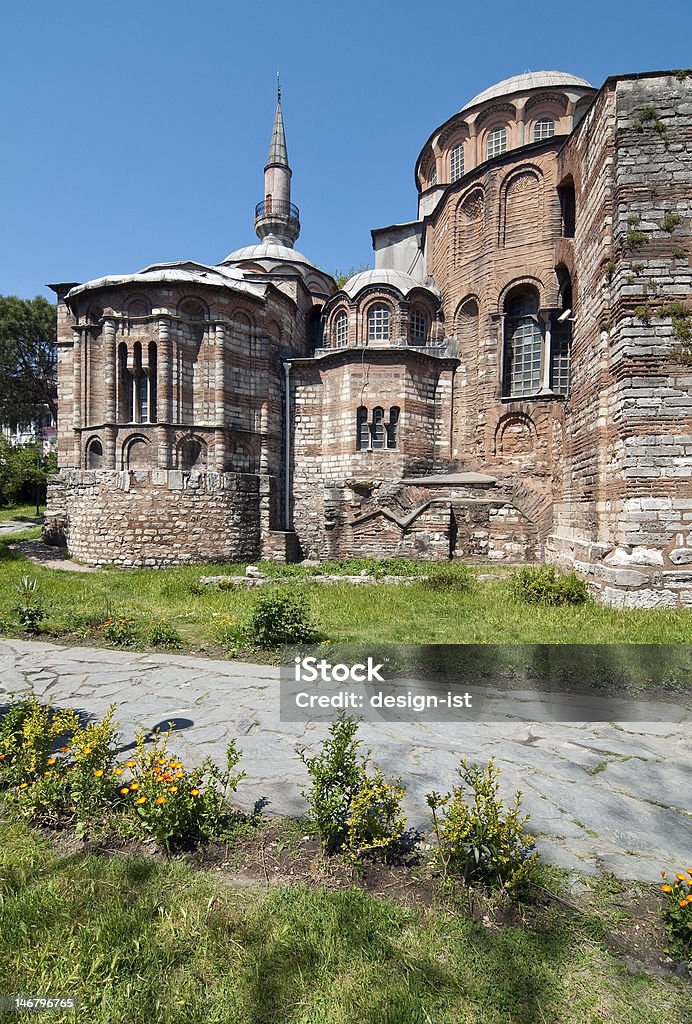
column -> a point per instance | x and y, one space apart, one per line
165 373
109 336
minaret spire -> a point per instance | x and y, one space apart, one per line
276 219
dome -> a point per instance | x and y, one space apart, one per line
529 80
393 278
268 250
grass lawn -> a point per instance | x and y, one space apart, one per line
403 614
18 512
143 941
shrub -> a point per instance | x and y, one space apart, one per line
480 841
280 617
353 811
544 584
170 803
161 634
457 577
677 912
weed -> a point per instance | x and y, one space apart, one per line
677 912
670 222
280 617
545 584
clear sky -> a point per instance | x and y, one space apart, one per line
136 132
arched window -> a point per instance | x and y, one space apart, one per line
94 454
152 381
523 346
561 337
192 455
433 176
124 386
543 129
362 429
568 206
195 312
138 307
419 327
456 162
378 429
393 427
341 329
378 322
497 142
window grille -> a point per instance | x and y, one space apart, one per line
341 330
543 129
523 347
378 323
419 327
497 142
456 162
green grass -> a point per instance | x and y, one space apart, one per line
20 512
488 613
143 942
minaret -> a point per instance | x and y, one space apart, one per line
276 218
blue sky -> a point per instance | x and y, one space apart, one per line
137 132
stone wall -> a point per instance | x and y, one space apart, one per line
154 517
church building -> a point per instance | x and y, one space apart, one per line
511 383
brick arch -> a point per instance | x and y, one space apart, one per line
515 436
137 452
469 223
192 452
242 317
526 282
521 207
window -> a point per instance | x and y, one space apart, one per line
456 162
94 454
497 142
363 429
138 307
392 427
378 323
193 310
561 342
433 176
543 129
376 435
341 330
568 207
523 347
419 327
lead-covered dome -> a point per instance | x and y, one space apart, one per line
528 80
404 283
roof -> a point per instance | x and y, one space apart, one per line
179 273
393 278
268 250
529 80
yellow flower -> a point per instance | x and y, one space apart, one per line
134 786
142 800
46 773
98 773
24 785
52 760
682 903
681 878
180 775
130 764
160 799
666 888
173 789
117 771
194 792
87 750
124 790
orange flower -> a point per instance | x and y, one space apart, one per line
173 789
681 878
180 775
124 790
160 799
87 750
162 761
134 786
682 903
666 888
98 773
2 757
194 792
64 750
142 800
52 760
117 771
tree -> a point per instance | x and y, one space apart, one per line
22 469
28 358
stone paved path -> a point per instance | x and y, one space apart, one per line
602 796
